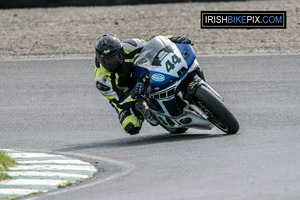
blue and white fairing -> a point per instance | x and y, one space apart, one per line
167 64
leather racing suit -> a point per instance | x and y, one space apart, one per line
116 87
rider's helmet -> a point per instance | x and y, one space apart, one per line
109 52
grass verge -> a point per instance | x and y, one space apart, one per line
5 163
69 183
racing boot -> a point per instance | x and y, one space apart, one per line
148 116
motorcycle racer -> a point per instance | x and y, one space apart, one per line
113 76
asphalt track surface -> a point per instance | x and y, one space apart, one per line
53 106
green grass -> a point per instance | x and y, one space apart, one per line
5 163
61 186
69 183
38 192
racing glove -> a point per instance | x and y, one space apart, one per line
180 40
137 90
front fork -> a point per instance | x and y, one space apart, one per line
192 106
196 79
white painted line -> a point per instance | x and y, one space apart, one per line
53 167
126 169
33 182
19 191
42 170
32 155
53 161
92 57
56 58
45 174
8 150
250 54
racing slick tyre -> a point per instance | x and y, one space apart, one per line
216 111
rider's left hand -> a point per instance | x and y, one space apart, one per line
137 90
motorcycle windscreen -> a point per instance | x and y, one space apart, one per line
154 52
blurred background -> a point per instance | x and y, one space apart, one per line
70 28
57 3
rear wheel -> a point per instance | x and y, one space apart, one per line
217 113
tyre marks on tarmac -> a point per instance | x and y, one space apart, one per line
41 172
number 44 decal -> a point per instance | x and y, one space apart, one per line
170 64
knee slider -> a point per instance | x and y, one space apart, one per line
102 87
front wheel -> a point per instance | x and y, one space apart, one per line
216 111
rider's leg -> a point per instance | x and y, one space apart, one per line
131 121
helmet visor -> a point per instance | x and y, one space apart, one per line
111 62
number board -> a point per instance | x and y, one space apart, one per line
173 62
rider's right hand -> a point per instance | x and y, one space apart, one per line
180 40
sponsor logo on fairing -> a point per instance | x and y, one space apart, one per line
158 77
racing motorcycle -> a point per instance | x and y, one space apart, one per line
176 92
